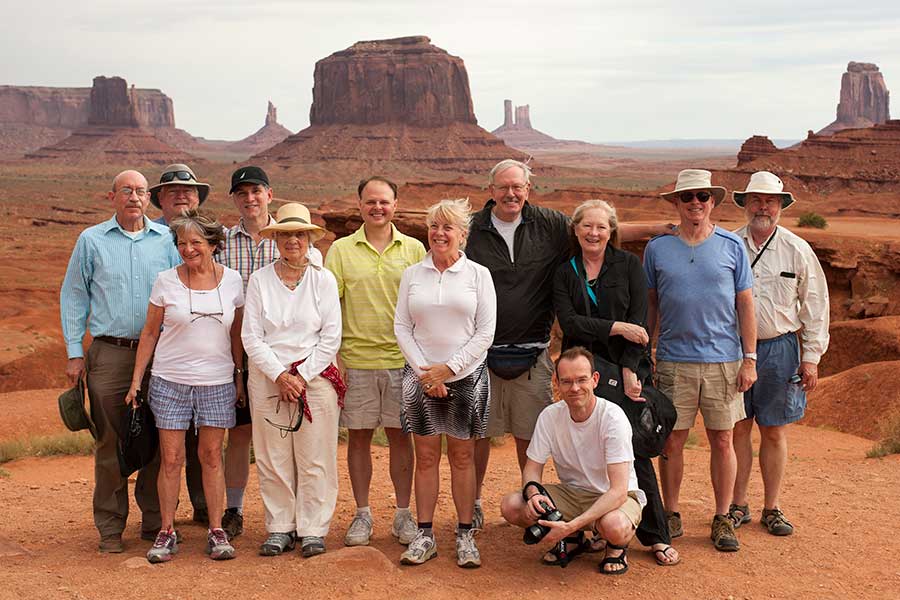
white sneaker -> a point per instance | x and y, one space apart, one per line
360 530
467 555
404 528
421 549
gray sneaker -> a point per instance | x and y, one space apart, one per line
467 555
277 543
420 550
217 545
164 548
477 520
404 528
360 530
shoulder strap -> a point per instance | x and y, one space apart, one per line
763 249
590 292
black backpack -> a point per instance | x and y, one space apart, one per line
651 421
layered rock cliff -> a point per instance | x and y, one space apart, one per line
401 99
864 100
754 147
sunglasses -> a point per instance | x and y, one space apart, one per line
688 196
170 176
291 427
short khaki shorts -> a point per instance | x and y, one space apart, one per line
372 399
711 387
572 501
516 403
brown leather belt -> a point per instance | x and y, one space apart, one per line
122 342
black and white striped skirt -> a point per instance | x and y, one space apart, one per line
463 414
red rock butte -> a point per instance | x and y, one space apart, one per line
864 100
518 132
116 132
401 99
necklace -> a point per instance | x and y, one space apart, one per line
292 285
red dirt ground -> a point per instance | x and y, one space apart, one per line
829 493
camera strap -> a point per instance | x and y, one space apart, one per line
541 490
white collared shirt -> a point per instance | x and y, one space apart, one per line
446 318
790 291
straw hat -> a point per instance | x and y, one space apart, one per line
293 216
763 182
695 179
178 174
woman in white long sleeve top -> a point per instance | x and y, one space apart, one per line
444 322
292 313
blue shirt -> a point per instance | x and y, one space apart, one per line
696 288
108 281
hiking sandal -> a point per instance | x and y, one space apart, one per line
566 550
774 520
739 514
614 560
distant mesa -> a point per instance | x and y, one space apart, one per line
400 99
117 130
755 147
865 100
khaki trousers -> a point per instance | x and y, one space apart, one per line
298 472
109 369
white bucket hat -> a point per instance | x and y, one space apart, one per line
763 182
293 216
695 179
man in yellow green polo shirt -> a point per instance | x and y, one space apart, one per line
368 265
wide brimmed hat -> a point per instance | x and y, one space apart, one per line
178 174
293 216
695 179
763 182
72 412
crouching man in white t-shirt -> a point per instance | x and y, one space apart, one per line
590 442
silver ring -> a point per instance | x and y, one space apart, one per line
427 386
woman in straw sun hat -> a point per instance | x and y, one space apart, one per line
292 332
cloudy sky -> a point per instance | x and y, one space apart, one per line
596 70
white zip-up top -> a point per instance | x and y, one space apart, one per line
446 318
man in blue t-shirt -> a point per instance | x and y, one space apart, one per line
701 294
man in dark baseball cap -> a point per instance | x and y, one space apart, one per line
249 174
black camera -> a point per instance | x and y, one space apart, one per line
536 532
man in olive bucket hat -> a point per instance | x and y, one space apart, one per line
791 297
178 191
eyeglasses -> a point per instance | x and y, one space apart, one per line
688 196
286 429
517 188
580 382
170 176
128 191
199 315
286 235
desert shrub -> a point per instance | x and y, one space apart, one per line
811 219
64 444
890 443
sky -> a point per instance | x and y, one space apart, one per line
594 70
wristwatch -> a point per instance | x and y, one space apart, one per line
750 355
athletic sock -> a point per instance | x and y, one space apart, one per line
400 512
363 510
426 527
460 527
234 498
478 502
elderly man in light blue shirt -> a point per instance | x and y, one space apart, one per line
107 288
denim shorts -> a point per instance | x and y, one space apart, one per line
774 400
175 405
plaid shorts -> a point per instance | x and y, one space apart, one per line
175 405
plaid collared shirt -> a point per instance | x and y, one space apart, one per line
245 256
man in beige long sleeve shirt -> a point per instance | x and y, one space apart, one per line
792 315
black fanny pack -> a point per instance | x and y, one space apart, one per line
509 362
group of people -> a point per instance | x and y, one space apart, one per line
247 334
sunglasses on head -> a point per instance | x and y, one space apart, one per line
173 175
688 196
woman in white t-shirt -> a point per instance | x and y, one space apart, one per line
444 322
192 335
